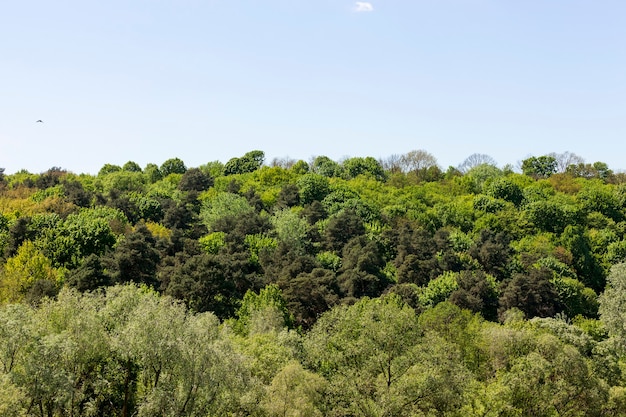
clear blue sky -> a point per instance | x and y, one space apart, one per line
205 80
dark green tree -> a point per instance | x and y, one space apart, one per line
89 276
477 294
341 228
195 179
135 258
532 292
250 162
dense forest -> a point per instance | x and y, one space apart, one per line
359 287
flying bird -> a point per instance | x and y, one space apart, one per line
39 121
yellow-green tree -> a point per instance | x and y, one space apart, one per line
22 271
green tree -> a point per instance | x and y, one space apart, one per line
108 169
539 167
250 162
354 167
135 258
173 166
363 351
612 302
313 187
131 167
153 173
222 205
22 271
325 166
295 392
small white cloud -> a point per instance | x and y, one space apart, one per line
363 6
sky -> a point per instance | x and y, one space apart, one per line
208 80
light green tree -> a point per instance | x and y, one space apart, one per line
295 392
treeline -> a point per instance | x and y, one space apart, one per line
376 287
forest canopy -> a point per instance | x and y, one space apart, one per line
359 287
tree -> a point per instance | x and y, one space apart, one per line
341 228
208 282
291 229
135 258
476 292
533 293
550 215
539 167
587 266
565 160
108 169
612 303
270 297
417 160
354 167
131 167
75 193
313 187
295 392
89 276
360 274
310 294
250 162
173 166
153 173
475 160
196 180
493 252
222 205
505 189
326 167
289 196
362 350
22 271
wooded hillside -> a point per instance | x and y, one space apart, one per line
338 288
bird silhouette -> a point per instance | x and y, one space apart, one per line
39 121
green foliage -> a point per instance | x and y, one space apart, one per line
325 166
250 162
369 166
550 216
481 175
462 258
329 260
439 289
222 205
295 392
108 169
313 187
258 242
131 166
173 166
153 173
505 189
291 229
22 271
212 242
612 302
539 167
122 181
270 297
